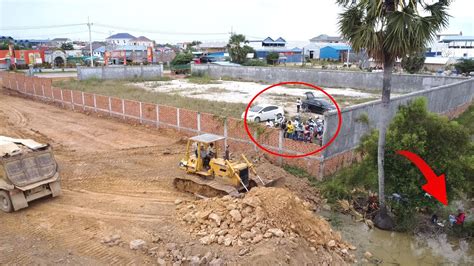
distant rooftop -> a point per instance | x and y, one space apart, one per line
123 35
141 39
457 38
60 40
326 38
338 47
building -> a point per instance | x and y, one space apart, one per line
438 63
120 39
142 41
288 52
22 57
452 45
57 42
312 50
212 47
334 52
323 38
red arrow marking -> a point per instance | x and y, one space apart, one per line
436 185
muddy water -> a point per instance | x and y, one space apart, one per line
390 248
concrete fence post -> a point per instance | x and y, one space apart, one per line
198 117
123 109
177 118
141 113
62 98
255 145
52 93
83 103
95 104
280 146
42 90
34 89
72 100
157 116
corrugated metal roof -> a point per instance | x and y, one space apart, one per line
207 138
457 38
338 47
122 35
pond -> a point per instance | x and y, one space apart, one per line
401 248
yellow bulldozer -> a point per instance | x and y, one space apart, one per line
210 175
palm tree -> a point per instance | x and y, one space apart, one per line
237 52
387 30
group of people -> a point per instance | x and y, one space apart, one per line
309 131
209 153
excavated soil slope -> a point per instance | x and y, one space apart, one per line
117 187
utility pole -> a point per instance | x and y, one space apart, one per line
90 40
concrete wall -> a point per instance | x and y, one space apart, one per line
443 100
120 72
326 78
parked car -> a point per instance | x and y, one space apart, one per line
316 105
263 112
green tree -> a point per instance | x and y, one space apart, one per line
237 52
182 59
67 46
465 65
445 145
414 62
387 30
272 58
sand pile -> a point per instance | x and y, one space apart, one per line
263 213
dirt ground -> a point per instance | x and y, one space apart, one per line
116 180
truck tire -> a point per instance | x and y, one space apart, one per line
5 201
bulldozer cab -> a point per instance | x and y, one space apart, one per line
200 150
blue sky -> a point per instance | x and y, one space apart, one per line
295 20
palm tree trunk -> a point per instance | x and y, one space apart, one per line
382 220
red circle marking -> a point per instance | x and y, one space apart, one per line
339 123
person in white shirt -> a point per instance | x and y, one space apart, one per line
298 105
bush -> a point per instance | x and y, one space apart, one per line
182 59
413 63
254 62
445 145
272 58
465 66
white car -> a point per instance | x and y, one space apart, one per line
263 112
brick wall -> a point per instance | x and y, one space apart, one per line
189 122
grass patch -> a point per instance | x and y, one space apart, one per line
202 80
123 89
299 172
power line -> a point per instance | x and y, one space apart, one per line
159 32
50 35
44 27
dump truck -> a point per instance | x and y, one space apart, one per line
210 175
28 171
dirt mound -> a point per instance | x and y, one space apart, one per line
263 213
300 186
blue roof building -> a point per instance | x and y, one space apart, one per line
334 52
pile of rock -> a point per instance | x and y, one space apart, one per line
262 214
173 253
112 240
